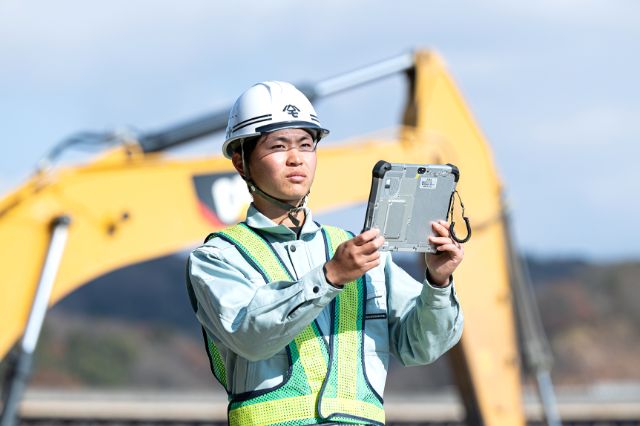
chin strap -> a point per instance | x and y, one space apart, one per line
292 211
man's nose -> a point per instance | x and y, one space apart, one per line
293 155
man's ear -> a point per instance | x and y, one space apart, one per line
236 159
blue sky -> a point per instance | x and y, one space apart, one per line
553 85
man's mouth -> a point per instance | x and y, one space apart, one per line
296 177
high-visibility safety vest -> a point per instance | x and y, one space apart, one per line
324 382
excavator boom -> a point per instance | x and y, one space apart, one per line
133 204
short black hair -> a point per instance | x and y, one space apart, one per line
248 146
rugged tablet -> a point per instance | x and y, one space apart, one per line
405 199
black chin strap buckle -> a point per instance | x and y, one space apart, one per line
453 224
293 215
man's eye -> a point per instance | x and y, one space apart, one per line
278 147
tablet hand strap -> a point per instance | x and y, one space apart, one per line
453 224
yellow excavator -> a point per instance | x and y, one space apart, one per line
69 225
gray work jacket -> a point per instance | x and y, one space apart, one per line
252 322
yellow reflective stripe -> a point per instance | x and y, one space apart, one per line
337 235
217 363
300 408
348 343
308 344
355 408
347 335
274 412
259 250
311 358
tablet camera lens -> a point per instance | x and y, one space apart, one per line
421 170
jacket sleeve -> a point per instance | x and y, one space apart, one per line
252 319
424 321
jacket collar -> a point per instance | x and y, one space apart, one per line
257 220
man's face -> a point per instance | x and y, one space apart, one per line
283 164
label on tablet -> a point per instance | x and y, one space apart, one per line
428 182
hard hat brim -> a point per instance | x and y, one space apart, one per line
320 132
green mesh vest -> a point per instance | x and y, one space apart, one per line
324 382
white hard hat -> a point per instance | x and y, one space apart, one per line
267 107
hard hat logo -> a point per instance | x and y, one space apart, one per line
292 110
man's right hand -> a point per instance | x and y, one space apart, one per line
354 257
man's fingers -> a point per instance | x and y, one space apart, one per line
355 257
439 240
451 247
366 236
372 263
441 228
372 246
446 225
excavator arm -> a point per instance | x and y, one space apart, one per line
134 203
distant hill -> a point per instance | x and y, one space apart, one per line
148 292
134 327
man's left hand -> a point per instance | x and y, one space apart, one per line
451 253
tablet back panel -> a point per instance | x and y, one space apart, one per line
405 198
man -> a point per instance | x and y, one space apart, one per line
299 319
